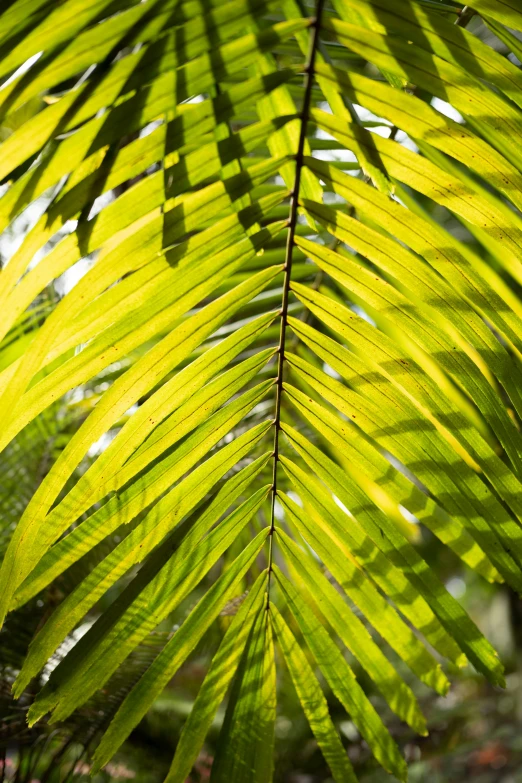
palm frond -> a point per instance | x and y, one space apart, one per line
262 334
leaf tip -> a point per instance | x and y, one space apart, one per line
33 715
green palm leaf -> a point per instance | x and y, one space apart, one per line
243 345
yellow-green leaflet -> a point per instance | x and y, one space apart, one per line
248 728
443 37
98 42
171 412
352 632
361 454
342 681
189 334
169 88
471 501
319 528
110 516
443 188
141 540
162 594
175 652
216 682
368 553
61 24
119 220
425 123
313 701
449 82
405 313
506 11
84 155
460 627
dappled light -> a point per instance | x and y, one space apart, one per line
260 388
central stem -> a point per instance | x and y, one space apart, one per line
294 200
